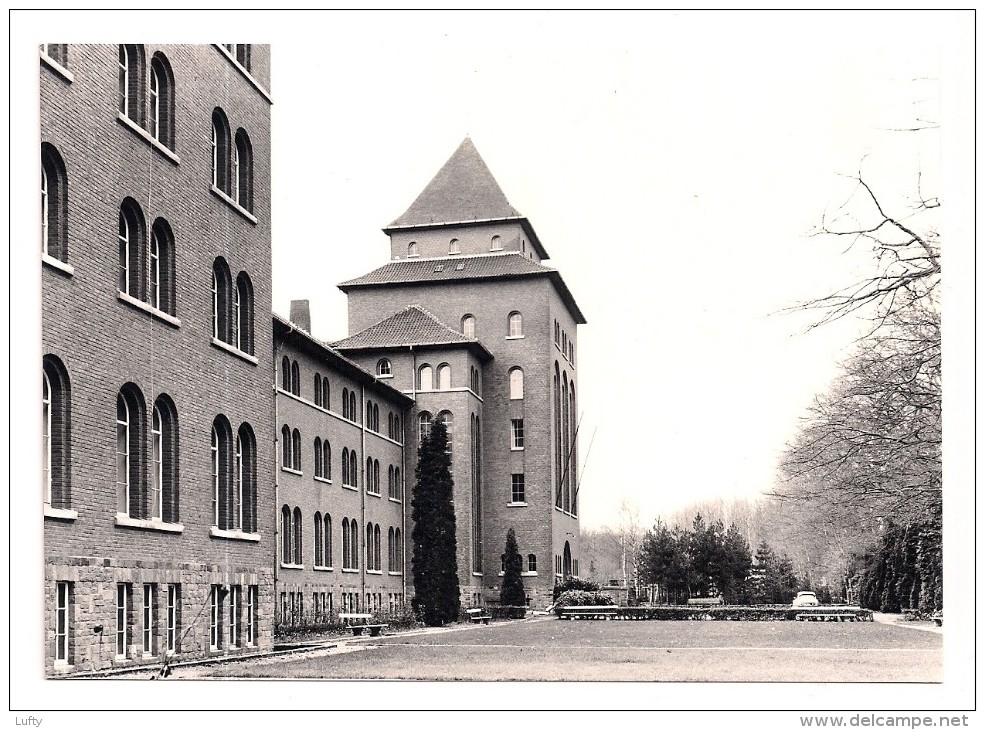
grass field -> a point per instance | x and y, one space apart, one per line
686 651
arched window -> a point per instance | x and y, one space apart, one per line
454 247
162 100
54 204
354 542
389 481
376 418
222 475
496 243
399 550
295 378
318 454
287 460
558 456
345 403
377 561
131 237
326 393
444 376
424 422
326 459
376 474
425 378
391 552
56 424
245 477
131 82
398 431
285 374
221 151
412 248
398 486
298 542
222 301
244 314
370 486
243 172
516 384
370 565
353 469
566 560
353 412
573 458
285 534
345 467
164 461
515 322
468 326
383 368
448 419
319 541
296 450
161 269
318 389
369 415
346 562
328 541
131 437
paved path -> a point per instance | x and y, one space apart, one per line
896 619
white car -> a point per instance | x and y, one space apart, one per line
806 598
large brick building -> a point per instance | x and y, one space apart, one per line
157 401
468 321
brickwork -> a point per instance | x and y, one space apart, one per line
471 240
106 340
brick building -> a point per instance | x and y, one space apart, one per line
340 434
157 401
468 321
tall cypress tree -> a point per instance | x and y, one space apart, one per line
511 593
435 565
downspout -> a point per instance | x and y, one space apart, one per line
403 462
362 499
277 446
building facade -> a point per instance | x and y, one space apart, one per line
157 401
340 482
468 321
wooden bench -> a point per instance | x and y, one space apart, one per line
595 613
357 628
477 615
826 617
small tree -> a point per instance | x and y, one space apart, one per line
435 565
511 593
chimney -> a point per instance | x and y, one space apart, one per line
301 314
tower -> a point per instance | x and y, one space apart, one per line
481 334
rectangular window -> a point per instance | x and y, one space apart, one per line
174 617
252 599
123 594
235 597
518 492
516 432
150 593
215 618
63 603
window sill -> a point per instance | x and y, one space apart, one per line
395 500
516 504
323 480
292 566
565 512
56 513
514 337
350 570
374 572
123 520
325 568
397 572
234 534
145 307
246 74
221 194
477 575
374 494
56 67
528 574
292 471
57 264
350 487
63 667
516 448
147 137
233 350
385 377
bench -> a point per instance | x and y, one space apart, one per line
938 620
477 615
595 613
826 616
357 628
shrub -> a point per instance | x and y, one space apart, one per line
582 598
665 613
574 584
507 612
511 593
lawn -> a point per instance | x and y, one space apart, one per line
686 651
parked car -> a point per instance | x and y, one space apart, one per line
806 598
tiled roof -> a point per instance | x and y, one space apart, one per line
463 190
411 326
450 268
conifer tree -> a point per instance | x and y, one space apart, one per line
511 593
435 565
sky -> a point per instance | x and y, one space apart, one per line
674 166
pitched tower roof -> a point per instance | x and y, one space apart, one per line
464 190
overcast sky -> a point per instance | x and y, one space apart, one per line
673 166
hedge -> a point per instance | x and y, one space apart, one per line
727 613
507 612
